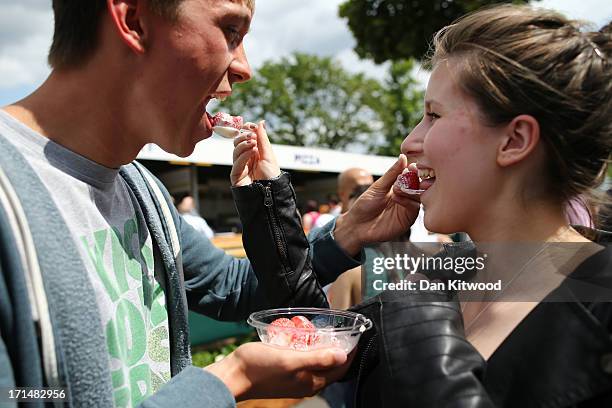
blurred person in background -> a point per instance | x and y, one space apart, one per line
348 180
346 290
310 214
185 204
334 205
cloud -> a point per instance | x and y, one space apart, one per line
313 27
598 12
26 29
22 19
280 27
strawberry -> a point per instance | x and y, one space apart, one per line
413 180
238 121
283 322
280 332
302 322
409 181
307 334
227 120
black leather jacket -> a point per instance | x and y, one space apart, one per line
417 355
275 243
560 355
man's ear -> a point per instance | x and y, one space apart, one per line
128 19
520 138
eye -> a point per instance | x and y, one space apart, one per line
433 116
233 36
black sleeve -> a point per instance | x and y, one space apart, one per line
275 242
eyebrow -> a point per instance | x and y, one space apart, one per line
244 18
432 102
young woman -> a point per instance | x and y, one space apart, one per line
518 120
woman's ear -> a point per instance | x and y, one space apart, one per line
128 18
520 138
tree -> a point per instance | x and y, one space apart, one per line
401 29
310 101
400 108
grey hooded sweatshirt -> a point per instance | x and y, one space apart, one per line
50 330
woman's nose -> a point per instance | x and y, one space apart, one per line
413 143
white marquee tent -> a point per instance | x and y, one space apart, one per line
218 151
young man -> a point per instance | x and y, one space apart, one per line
97 269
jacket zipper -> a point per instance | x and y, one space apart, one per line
362 363
274 224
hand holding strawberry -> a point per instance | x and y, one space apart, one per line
253 156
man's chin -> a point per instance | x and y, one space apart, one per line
186 148
181 151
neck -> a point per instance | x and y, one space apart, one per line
83 112
538 222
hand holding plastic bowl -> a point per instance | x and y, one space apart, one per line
298 328
307 328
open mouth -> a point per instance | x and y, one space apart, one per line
428 177
207 119
220 96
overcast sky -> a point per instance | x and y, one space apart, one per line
279 28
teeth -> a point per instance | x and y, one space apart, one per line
426 174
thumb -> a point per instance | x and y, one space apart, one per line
322 359
388 179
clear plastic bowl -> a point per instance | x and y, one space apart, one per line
333 328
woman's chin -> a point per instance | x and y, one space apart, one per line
438 225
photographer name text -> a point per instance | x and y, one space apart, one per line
424 284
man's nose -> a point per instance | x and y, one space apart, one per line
240 70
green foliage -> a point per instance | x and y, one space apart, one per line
206 357
201 357
400 108
399 29
312 101
308 100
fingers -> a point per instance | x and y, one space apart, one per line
322 378
244 136
268 168
243 156
404 199
258 131
388 179
265 147
408 202
322 359
243 146
249 126
242 161
262 137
